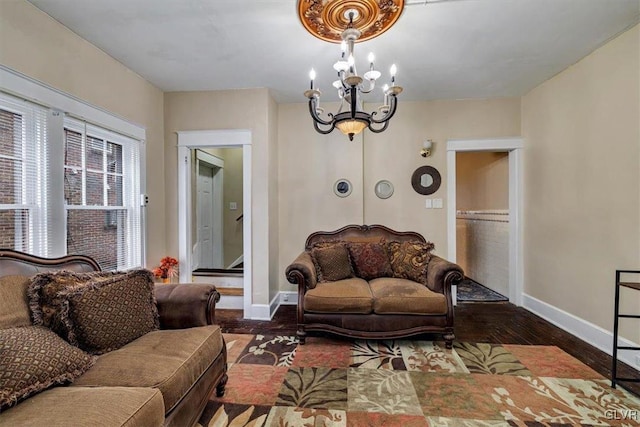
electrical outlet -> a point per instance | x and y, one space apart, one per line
285 297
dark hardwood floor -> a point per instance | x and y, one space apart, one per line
497 323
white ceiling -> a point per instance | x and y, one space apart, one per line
444 49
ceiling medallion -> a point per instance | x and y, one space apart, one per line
327 19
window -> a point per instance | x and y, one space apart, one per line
22 177
99 181
100 184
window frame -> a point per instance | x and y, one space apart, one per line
57 105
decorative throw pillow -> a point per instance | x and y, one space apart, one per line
33 358
409 260
14 309
370 260
44 295
332 262
104 315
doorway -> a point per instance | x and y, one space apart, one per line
482 225
512 146
188 142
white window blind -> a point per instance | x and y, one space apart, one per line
23 174
102 195
45 159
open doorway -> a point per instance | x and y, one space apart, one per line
512 146
217 207
235 288
482 225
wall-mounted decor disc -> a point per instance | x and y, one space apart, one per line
426 180
342 187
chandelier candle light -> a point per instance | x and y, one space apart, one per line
351 118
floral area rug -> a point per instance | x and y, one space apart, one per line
274 381
471 291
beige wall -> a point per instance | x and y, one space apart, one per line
310 163
482 180
233 109
582 182
274 208
34 44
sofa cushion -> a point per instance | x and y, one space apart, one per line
409 260
33 358
169 360
104 315
88 407
45 300
332 262
370 260
342 296
14 309
401 296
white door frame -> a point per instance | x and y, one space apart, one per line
188 140
218 204
514 147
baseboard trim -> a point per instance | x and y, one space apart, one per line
288 298
260 312
583 329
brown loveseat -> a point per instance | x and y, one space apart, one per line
164 377
410 296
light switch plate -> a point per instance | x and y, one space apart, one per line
233 206
437 203
428 203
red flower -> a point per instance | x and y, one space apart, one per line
168 268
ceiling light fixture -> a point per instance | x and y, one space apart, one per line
319 19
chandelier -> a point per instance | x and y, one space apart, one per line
318 17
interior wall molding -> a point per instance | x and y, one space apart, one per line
583 329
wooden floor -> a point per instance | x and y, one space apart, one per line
497 323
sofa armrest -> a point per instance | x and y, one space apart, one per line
302 271
186 305
441 274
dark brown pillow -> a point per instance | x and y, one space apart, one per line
370 260
332 262
33 358
44 295
409 260
107 314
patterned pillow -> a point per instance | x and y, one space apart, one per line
45 300
370 260
33 358
104 315
332 262
409 260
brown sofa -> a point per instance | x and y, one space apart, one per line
164 377
380 307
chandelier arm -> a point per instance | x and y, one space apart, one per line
324 131
314 114
386 117
372 129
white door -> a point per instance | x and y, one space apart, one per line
205 199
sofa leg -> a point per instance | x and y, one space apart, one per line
448 341
220 388
302 336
